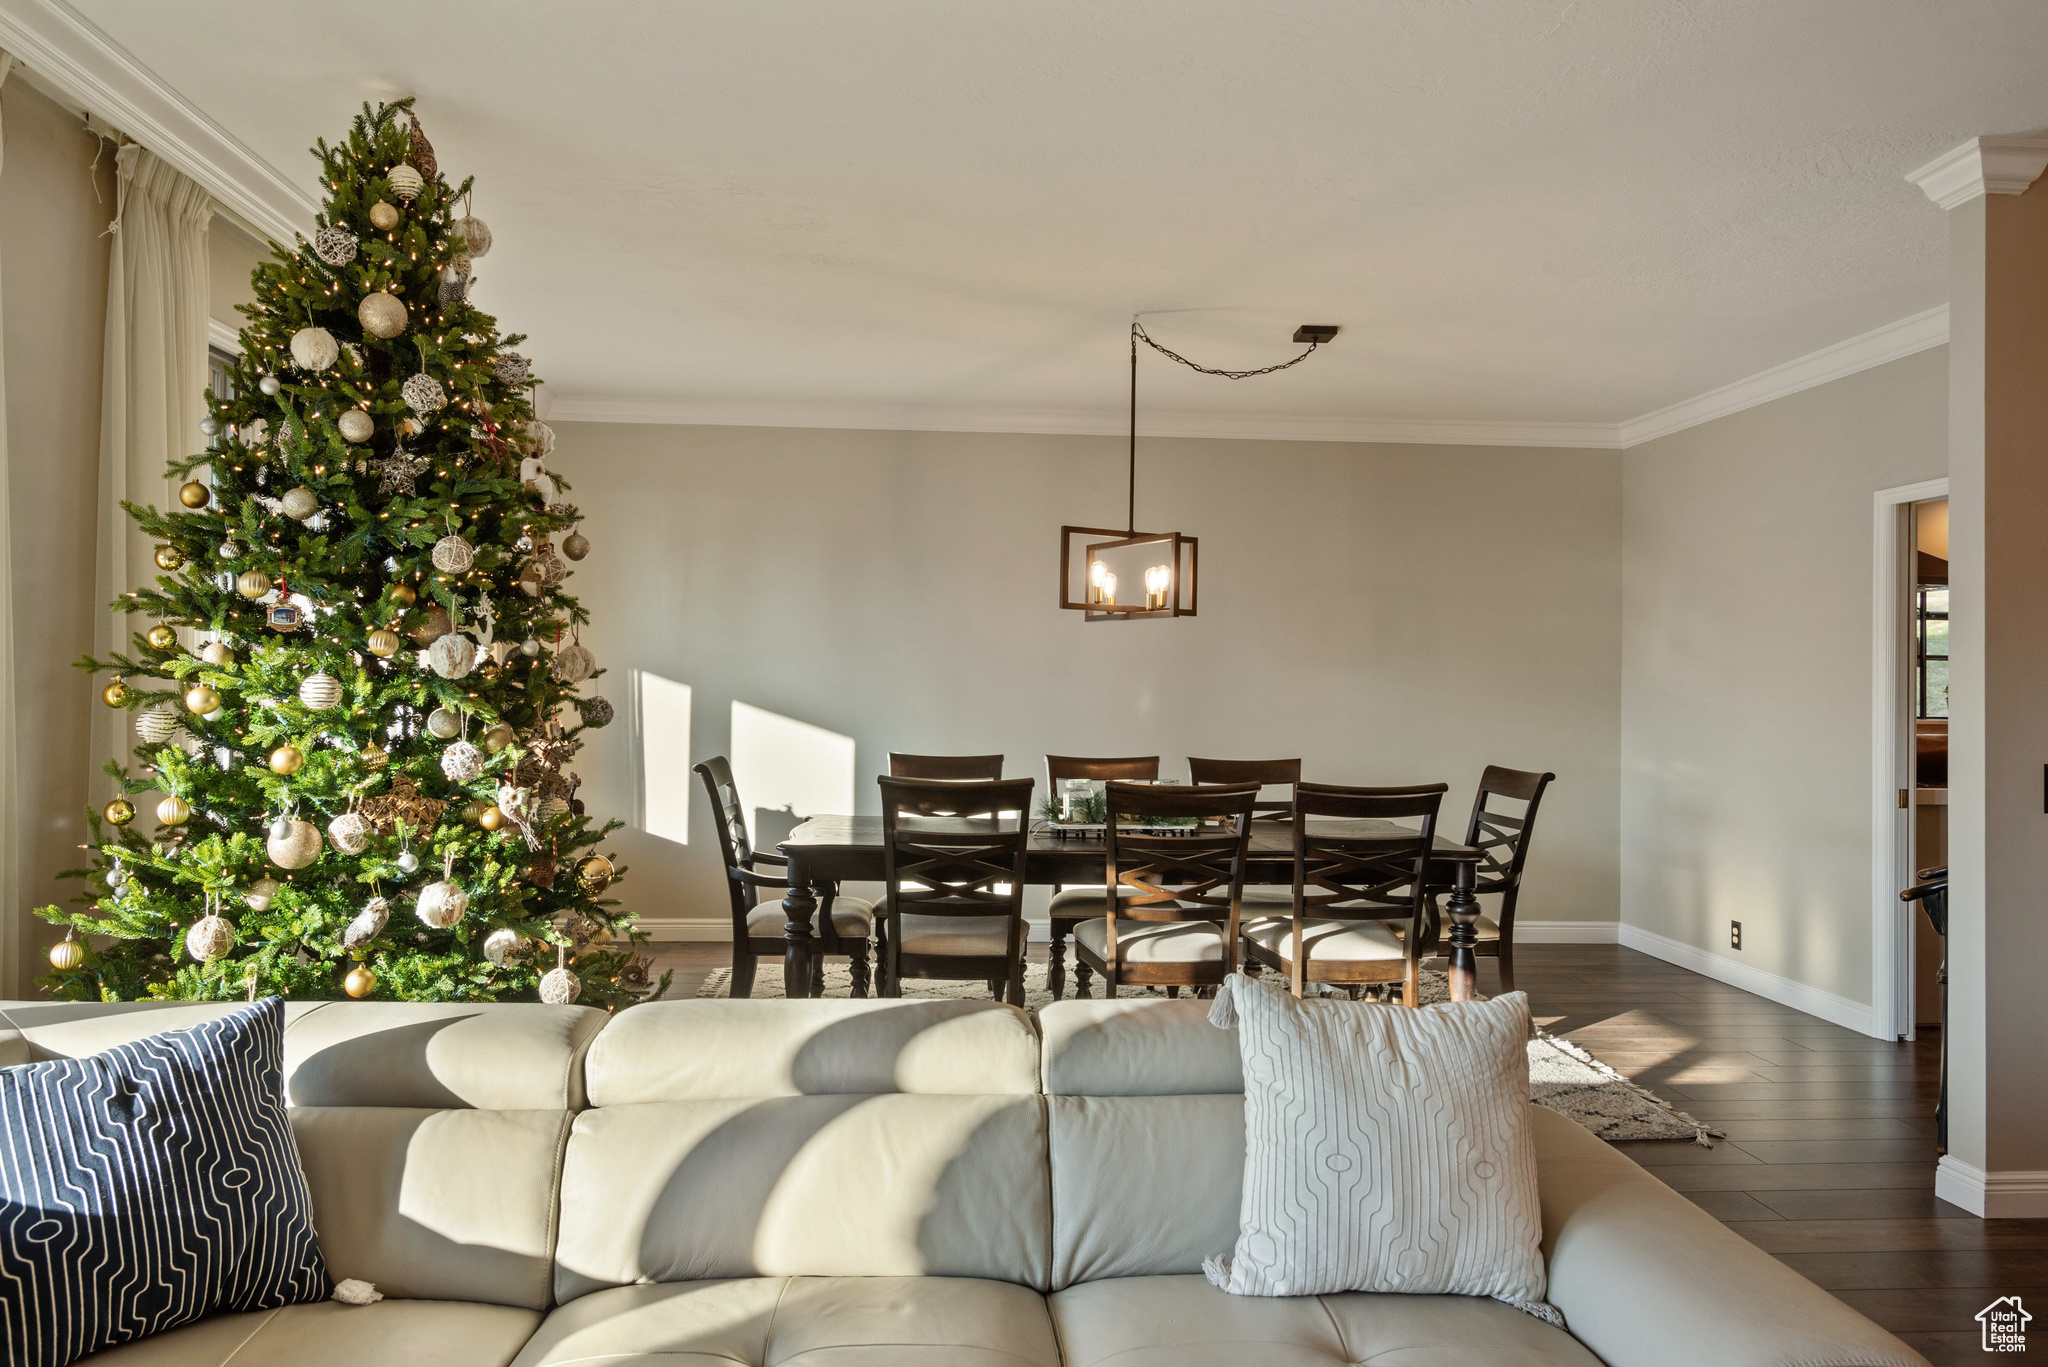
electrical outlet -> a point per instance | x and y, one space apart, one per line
1735 935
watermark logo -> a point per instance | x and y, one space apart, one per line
2005 1325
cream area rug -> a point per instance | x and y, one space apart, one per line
1562 1077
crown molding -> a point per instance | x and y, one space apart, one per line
89 68
223 337
1873 348
1982 166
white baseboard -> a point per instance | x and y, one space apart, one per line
1992 1195
720 929
1565 932
1850 1015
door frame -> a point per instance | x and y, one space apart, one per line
1891 756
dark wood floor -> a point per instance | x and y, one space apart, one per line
1828 1164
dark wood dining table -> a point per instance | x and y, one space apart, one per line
825 851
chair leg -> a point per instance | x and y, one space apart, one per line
817 974
1507 964
1056 959
857 955
1172 991
1083 977
743 962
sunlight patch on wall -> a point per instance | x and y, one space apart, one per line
661 726
787 770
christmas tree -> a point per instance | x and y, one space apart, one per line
359 690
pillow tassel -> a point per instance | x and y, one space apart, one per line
1223 1011
1542 1310
1217 1270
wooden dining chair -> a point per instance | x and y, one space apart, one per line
1177 926
1347 887
1260 899
954 883
1071 906
843 923
1502 840
945 766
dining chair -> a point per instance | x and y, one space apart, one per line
1347 887
981 767
1260 899
1503 844
1177 926
1071 906
843 924
953 881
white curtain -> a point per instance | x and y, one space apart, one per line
12 979
152 394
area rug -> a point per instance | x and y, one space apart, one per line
1562 1077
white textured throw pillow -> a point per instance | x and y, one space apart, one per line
1386 1149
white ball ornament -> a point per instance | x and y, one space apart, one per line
502 946
335 246
406 182
300 503
270 384
462 762
453 555
442 904
453 656
260 894
356 425
314 348
381 314
407 862
475 234
210 937
349 833
157 724
297 847
209 426
320 691
573 664
423 394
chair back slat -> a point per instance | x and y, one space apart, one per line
975 767
1352 877
1501 838
1061 767
946 853
1178 877
1267 773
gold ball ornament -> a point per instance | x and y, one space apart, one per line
497 737
216 653
360 982
595 874
356 425
492 818
300 503
381 314
383 216
431 626
115 694
67 954
119 812
210 937
575 545
252 583
383 643
375 756
193 494
444 723
320 691
161 637
173 811
404 595
298 846
286 759
156 724
201 700
169 557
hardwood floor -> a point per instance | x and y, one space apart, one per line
1828 1164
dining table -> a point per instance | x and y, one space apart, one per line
825 851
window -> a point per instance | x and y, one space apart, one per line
1930 650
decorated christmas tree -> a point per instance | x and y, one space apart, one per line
357 698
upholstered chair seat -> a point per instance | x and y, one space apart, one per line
1328 941
852 918
1154 942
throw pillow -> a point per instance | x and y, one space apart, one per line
149 1185
1386 1149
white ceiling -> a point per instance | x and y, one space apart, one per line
1573 212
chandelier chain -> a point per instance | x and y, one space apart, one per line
1138 331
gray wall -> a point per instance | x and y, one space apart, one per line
1746 620
1389 613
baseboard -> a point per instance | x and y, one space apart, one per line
720 930
1992 1195
1850 1015
1566 932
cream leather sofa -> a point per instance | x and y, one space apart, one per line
867 1184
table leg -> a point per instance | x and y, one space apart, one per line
1463 911
797 910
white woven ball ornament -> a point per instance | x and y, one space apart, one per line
441 904
356 425
501 946
541 437
560 987
423 393
300 503
210 937
573 664
320 691
155 725
453 656
443 724
462 762
453 555
475 234
335 246
405 182
368 924
313 349
381 314
596 711
511 368
349 833
297 847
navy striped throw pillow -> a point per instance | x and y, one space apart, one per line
149 1185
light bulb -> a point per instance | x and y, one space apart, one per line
1157 578
1108 588
1097 572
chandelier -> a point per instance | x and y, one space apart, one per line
1132 574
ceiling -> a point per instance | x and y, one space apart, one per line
938 212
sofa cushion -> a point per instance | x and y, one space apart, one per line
817 1321
713 1049
436 1205
1185 1322
444 1333
838 1185
79 1029
1137 1047
1143 1185
513 1057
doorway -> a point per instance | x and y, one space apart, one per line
1929 685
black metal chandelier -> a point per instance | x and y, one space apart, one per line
1101 579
